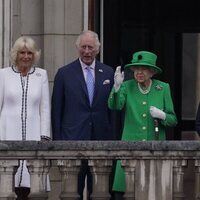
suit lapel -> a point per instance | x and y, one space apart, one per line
80 77
98 82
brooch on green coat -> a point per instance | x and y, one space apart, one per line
159 87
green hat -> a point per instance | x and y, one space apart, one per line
144 58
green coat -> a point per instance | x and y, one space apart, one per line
138 123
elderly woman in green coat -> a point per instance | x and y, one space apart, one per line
144 100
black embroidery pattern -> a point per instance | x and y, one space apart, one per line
24 84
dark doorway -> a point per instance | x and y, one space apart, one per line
154 25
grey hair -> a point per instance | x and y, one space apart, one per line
92 34
19 44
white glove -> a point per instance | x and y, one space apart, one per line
118 78
157 113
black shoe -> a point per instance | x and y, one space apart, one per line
118 196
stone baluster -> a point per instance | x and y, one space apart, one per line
197 180
7 171
69 170
38 170
100 170
129 171
178 174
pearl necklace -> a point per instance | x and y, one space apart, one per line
147 90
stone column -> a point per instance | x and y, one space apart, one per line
178 174
5 31
69 170
129 170
100 170
38 170
197 180
7 170
63 21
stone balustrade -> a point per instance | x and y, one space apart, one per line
154 170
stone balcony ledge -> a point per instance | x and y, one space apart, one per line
98 149
154 170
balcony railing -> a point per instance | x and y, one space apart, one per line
154 170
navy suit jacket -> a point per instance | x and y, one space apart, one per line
72 116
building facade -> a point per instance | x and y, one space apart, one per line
54 25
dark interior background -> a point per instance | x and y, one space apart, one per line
157 26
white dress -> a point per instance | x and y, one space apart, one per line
24 110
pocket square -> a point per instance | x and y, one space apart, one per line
106 82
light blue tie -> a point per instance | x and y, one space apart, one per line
90 84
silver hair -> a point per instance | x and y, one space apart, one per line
92 34
22 42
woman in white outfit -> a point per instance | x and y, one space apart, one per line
24 103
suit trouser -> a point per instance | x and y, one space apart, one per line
84 171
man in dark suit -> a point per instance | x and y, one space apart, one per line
74 116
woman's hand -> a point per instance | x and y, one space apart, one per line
157 113
118 78
45 138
